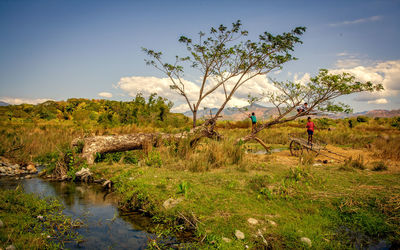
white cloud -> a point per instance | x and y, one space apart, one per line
357 21
342 54
302 80
16 101
378 101
347 63
105 94
148 85
386 73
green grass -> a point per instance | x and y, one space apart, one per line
24 229
221 185
324 204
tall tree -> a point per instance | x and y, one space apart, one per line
223 56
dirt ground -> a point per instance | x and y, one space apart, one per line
284 157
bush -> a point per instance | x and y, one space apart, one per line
379 166
154 159
362 118
130 158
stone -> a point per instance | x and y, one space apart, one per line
170 203
28 176
31 168
84 174
1 223
107 184
306 240
272 223
239 235
10 247
227 240
252 221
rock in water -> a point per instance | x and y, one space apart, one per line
306 240
239 234
31 168
84 174
252 221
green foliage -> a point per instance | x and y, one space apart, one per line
19 212
130 157
183 188
396 122
153 159
361 119
223 54
155 111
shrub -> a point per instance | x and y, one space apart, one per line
362 118
154 159
379 166
130 158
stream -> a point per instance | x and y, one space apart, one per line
105 226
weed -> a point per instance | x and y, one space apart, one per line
183 188
259 182
154 159
307 159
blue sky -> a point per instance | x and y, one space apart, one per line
55 49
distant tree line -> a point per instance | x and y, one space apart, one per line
154 110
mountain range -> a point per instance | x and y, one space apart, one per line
3 103
238 114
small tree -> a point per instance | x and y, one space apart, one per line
224 56
319 93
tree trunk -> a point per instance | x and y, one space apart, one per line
119 143
194 117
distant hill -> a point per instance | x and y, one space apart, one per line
370 113
238 114
381 113
3 103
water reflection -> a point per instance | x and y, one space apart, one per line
105 227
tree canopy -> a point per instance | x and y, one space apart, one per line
224 55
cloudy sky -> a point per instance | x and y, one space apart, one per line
55 49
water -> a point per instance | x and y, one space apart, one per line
105 226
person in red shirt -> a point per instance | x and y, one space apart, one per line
310 130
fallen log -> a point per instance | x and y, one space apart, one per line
120 143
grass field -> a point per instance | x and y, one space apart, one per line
218 186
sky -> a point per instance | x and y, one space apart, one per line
60 49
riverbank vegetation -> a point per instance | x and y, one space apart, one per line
275 199
29 221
